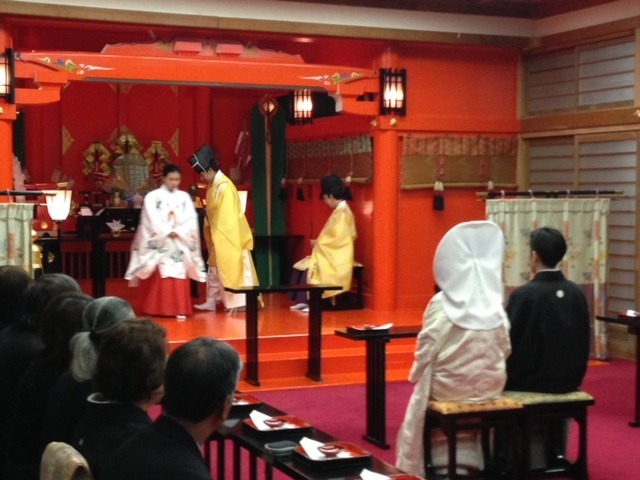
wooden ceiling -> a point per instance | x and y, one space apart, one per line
532 9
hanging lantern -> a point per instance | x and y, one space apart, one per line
393 92
58 205
268 107
7 76
300 107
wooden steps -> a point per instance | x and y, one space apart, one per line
283 340
283 361
283 364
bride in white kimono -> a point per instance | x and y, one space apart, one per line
462 348
166 249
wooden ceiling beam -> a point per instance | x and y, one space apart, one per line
53 69
532 9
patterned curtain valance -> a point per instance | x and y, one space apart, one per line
349 156
465 161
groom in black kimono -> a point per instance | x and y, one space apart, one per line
549 323
549 338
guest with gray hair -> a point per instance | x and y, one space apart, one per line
200 379
129 380
67 402
99 315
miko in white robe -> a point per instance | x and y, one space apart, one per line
462 348
167 242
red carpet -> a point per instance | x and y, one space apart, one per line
614 447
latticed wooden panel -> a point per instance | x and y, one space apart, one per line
605 162
587 76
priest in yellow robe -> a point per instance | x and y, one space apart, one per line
332 253
227 235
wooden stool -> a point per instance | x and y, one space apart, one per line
454 417
358 277
350 299
545 407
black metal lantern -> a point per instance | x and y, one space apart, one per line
7 76
393 91
301 107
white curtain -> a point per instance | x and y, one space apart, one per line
15 234
583 222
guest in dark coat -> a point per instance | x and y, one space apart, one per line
20 343
200 379
68 399
14 282
129 380
60 321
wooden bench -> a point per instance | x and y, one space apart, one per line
548 407
526 409
454 417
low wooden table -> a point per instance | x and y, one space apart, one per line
633 324
255 445
315 325
376 341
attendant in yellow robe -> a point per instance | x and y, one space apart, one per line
331 260
227 235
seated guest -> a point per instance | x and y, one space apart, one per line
128 380
549 328
461 350
14 282
67 401
200 379
99 315
21 343
331 259
61 319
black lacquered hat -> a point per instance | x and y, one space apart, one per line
203 159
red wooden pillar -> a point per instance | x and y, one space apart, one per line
7 117
385 218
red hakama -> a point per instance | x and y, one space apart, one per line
167 297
